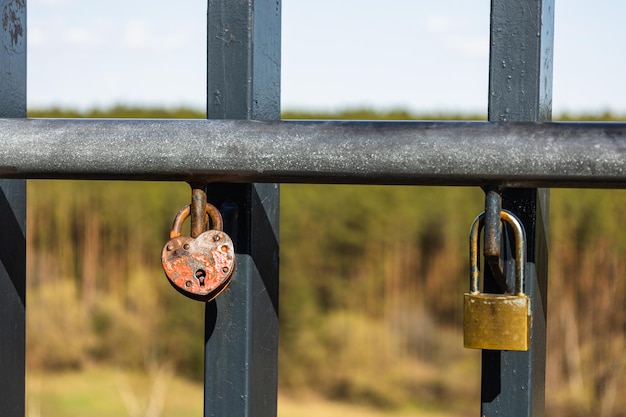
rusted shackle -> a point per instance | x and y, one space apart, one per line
214 215
201 267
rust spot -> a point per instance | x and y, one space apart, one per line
12 23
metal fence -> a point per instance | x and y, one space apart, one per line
239 162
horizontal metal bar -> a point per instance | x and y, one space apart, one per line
423 153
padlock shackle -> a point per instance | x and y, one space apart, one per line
520 250
212 211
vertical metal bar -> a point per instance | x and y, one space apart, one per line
12 217
198 209
493 237
241 350
520 89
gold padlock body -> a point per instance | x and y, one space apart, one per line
496 321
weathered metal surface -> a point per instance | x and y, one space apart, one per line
12 217
243 82
520 90
497 321
199 267
210 210
13 58
199 216
520 250
12 297
493 237
425 153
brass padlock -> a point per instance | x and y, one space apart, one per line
201 267
497 321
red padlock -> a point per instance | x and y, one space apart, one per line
201 267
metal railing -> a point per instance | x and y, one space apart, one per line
243 77
418 153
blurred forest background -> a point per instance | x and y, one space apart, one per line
377 323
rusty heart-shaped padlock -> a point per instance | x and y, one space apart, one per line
201 267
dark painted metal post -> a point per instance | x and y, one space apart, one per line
12 217
241 350
520 89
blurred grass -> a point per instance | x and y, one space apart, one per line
97 392
101 392
316 407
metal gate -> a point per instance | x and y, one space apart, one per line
242 152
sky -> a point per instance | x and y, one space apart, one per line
422 56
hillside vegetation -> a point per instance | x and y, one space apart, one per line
372 279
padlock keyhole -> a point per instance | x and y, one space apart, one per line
200 276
